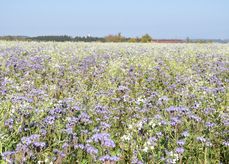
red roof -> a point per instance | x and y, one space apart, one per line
169 41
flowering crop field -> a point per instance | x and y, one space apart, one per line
114 103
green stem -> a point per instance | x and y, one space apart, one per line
205 156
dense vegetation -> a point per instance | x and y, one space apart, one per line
65 38
125 103
68 38
109 38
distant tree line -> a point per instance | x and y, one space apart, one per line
109 38
11 38
63 38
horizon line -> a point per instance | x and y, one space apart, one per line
73 36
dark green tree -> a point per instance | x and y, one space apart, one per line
146 38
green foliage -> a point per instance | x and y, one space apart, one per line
132 40
114 38
146 38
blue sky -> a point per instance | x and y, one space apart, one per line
159 18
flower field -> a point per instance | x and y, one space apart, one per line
114 103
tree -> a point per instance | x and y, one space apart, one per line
114 38
132 40
146 38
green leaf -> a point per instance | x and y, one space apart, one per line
2 162
0 148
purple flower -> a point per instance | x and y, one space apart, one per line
56 111
91 150
159 134
174 121
9 123
40 145
164 99
114 158
26 141
158 116
179 150
100 136
210 124
104 125
101 110
108 143
226 122
8 153
21 148
43 132
171 109
176 109
79 146
195 118
123 88
163 122
84 117
76 108
65 146
185 134
31 139
136 161
201 139
181 142
152 139
69 131
34 137
182 109
62 154
7 156
104 138
3 91
71 122
109 158
225 143
49 120
209 111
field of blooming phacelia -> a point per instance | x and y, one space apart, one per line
114 103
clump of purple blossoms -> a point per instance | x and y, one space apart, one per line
49 120
31 139
109 158
79 146
205 141
105 125
85 118
174 121
9 123
7 156
181 142
176 109
104 139
210 124
91 150
40 145
180 150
